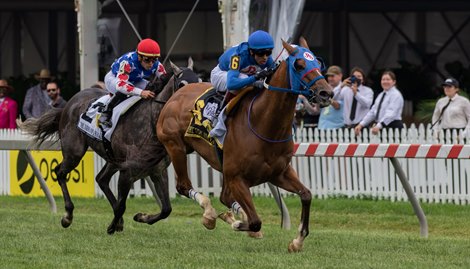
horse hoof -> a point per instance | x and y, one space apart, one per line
111 230
208 223
120 225
208 219
65 222
227 217
256 235
294 246
140 217
236 225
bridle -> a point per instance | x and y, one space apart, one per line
179 80
297 85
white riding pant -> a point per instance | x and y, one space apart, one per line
219 79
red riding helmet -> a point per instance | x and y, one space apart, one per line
148 47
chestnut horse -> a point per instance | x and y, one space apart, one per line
258 146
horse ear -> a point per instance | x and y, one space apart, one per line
303 42
175 68
288 47
190 63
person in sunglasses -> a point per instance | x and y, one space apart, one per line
53 91
129 73
245 64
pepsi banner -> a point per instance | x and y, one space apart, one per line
80 181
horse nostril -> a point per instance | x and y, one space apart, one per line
325 94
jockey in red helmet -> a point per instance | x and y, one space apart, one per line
129 73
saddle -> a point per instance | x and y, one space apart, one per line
205 111
90 123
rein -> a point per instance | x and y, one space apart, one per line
258 135
175 85
304 89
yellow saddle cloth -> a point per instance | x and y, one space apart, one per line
205 108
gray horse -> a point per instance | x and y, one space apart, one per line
137 153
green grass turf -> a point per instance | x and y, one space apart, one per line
344 233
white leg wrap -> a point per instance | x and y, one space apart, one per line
194 195
236 208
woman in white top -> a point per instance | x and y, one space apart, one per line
452 111
387 109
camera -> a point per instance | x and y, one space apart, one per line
354 79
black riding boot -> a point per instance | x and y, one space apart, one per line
228 96
108 113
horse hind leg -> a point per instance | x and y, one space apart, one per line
62 170
160 181
289 181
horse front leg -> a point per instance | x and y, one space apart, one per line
103 178
236 195
160 181
234 209
124 186
184 186
289 181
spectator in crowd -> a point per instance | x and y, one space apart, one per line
53 91
334 75
357 98
306 115
331 117
387 109
36 101
8 107
452 112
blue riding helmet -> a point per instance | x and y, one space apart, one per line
260 40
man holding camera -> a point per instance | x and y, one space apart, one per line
357 98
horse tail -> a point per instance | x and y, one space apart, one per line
44 127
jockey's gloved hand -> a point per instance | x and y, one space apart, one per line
263 74
258 84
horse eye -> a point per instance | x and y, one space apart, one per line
298 67
182 83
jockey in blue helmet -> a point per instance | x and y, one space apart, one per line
243 65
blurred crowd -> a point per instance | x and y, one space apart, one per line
39 98
353 105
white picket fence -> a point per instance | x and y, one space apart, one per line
433 180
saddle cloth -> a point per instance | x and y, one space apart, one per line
204 113
90 124
205 108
